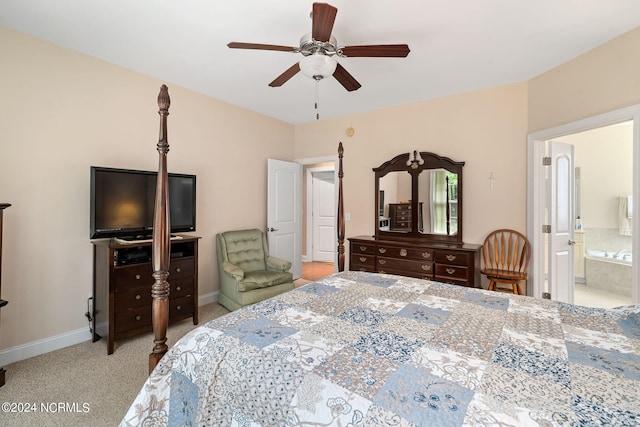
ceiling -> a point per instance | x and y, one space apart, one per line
456 46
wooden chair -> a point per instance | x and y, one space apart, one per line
505 256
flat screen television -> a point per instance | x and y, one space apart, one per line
123 202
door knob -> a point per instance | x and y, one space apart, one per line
272 229
572 242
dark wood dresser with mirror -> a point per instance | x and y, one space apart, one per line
418 226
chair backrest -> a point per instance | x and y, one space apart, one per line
507 250
245 248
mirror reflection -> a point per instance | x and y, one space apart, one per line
437 202
438 197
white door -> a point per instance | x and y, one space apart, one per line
323 216
284 212
561 208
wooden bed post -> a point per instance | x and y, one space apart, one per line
161 241
340 211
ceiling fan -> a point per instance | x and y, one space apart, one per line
320 48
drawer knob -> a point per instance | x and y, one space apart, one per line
382 250
451 257
178 288
363 258
178 270
382 261
426 255
137 277
178 307
138 296
403 252
363 248
426 267
451 270
138 317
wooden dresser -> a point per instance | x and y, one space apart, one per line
122 287
445 262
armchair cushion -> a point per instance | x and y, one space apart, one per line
263 279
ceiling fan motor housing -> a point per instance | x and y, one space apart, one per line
309 46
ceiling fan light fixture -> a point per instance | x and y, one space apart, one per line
318 66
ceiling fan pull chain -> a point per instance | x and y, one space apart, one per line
317 99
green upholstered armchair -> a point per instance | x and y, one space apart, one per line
248 273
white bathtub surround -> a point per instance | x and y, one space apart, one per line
609 271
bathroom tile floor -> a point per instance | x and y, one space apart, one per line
583 295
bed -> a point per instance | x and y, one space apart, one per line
369 349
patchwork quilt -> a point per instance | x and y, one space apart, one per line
364 349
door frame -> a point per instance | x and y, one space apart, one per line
536 190
311 161
309 208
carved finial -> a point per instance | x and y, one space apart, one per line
340 149
163 100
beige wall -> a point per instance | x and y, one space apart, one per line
487 129
604 79
61 112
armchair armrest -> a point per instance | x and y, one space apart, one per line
275 263
233 270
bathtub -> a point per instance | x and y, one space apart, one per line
609 271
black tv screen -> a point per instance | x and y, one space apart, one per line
123 202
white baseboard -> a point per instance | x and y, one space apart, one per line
56 342
36 348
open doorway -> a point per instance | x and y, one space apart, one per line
607 151
319 201
603 160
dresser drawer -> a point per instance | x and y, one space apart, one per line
132 276
359 262
384 263
181 287
451 272
179 268
180 308
402 209
444 256
131 297
363 248
134 318
400 252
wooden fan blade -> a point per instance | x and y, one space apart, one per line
323 16
377 51
258 46
284 77
346 79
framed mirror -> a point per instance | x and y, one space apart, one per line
419 196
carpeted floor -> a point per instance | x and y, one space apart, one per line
81 385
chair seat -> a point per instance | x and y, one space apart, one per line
263 279
504 274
